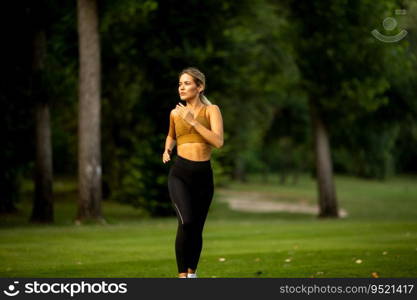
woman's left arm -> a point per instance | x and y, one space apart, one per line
215 135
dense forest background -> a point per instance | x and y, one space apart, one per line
285 74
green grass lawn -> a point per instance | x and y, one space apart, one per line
378 236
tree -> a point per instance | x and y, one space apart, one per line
342 72
89 156
42 210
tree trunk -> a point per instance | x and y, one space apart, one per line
89 155
42 210
326 190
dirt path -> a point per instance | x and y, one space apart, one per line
258 202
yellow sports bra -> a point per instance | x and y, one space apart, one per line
183 132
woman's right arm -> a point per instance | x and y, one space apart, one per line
170 141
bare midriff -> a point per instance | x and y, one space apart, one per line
195 151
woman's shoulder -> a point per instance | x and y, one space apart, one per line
213 107
173 112
210 110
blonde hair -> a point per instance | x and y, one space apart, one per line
200 79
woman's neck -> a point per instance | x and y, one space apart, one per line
194 103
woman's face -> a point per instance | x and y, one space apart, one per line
187 88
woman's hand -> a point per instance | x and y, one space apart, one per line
166 156
185 113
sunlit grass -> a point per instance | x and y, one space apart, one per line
380 233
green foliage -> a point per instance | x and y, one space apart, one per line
143 183
219 164
354 79
260 76
341 63
262 60
374 151
16 115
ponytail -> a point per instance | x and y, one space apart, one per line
204 99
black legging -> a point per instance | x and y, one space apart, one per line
190 185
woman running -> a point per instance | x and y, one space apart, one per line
195 129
